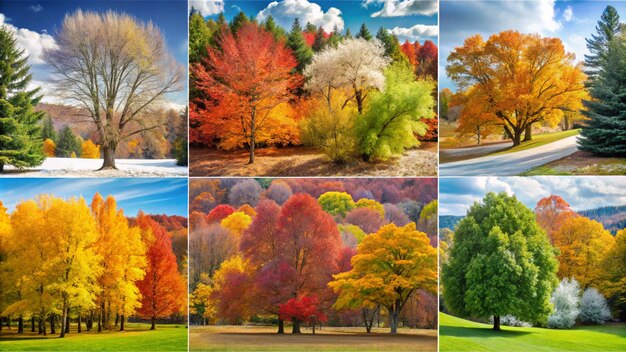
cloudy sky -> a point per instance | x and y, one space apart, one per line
456 195
153 196
571 21
35 23
408 19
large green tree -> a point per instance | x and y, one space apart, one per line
297 44
20 126
598 45
501 263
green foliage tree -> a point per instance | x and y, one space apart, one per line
181 142
310 28
501 263
271 26
394 115
336 203
238 21
364 33
20 125
47 130
392 45
320 41
200 33
67 143
605 131
598 45
348 33
297 44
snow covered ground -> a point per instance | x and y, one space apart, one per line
75 167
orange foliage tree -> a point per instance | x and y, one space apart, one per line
524 79
551 212
163 287
247 85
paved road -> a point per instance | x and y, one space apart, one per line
475 151
511 163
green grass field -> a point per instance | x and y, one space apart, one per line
539 140
138 337
463 335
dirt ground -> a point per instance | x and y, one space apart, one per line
237 338
305 161
584 163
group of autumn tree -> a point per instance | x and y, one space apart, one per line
313 251
255 84
118 109
515 81
505 261
63 260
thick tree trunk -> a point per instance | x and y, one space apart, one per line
100 317
67 322
517 138
108 153
40 326
32 324
122 318
296 327
20 325
63 320
52 327
43 326
528 133
80 323
8 322
281 326
394 316
496 323
368 327
153 326
117 319
252 136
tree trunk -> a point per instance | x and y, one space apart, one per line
40 326
1 168
393 320
368 327
100 317
281 326
32 324
122 318
477 134
108 152
43 326
153 326
252 136
517 138
67 322
496 323
20 325
528 133
52 327
80 329
117 319
63 320
296 327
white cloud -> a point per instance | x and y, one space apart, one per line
417 32
207 7
400 8
32 42
172 105
285 11
568 14
35 8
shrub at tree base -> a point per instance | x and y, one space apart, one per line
593 307
565 300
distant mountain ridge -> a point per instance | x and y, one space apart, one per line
612 217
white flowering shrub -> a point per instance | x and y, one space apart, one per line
566 305
593 307
510 320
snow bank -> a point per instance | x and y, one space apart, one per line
76 167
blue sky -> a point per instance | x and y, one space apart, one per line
36 22
456 195
408 19
152 195
571 21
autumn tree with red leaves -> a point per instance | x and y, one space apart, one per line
163 287
244 82
551 212
301 310
219 213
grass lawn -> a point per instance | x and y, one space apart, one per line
138 337
258 338
539 140
581 163
463 335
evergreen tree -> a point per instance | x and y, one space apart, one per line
391 44
199 36
501 263
310 28
364 33
296 42
48 131
605 131
348 33
181 142
320 41
271 26
221 20
238 22
607 29
20 125
67 143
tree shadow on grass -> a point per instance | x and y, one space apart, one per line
479 332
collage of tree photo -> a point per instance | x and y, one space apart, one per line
312 175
